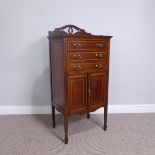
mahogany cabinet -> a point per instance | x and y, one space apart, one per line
79 67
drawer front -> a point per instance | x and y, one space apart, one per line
77 56
87 67
87 44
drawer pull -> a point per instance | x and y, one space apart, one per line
76 45
77 56
77 67
99 55
99 45
99 66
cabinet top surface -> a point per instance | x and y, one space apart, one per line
72 31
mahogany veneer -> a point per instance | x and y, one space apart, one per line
79 67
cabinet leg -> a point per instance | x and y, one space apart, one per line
66 129
105 118
53 116
88 115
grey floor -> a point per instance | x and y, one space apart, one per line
127 134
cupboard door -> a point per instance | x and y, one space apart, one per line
77 93
97 90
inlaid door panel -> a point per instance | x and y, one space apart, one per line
77 93
97 89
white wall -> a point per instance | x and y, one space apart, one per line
24 63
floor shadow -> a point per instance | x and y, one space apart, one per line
97 119
77 124
46 120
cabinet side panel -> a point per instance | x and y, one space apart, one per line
57 58
107 88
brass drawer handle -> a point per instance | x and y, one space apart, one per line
77 56
78 67
99 45
99 66
90 93
99 55
76 45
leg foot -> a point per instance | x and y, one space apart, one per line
53 116
66 129
88 115
105 118
104 127
66 140
53 125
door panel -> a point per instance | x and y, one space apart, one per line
97 89
77 93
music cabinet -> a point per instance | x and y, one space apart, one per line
79 68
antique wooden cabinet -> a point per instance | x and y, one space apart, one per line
79 67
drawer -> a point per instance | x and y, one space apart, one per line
77 56
82 67
87 44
